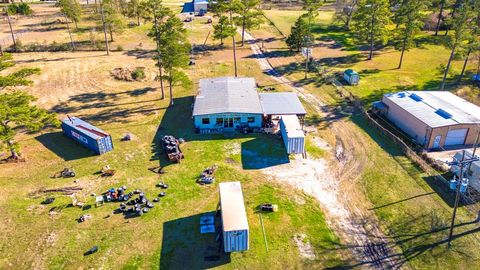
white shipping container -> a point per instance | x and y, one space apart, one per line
234 217
292 134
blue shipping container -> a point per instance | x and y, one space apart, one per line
87 135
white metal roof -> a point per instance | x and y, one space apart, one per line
281 103
234 217
436 108
227 95
292 126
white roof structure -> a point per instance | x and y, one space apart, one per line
436 108
234 217
227 95
281 103
292 126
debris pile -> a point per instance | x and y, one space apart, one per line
65 173
208 175
107 171
129 75
172 148
268 207
139 205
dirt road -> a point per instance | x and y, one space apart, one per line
333 184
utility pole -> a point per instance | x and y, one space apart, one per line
462 163
104 29
11 30
234 49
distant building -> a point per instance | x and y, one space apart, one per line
200 6
434 119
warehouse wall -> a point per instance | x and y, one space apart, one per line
442 131
412 126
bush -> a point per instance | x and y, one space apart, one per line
19 45
22 9
120 48
138 74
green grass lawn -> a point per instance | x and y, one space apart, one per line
414 210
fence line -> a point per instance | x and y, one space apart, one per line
468 199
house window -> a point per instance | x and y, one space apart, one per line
219 122
206 121
251 119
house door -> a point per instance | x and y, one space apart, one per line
456 136
436 142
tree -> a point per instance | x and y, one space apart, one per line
135 9
473 43
223 29
154 10
370 23
175 50
113 18
249 15
440 16
16 78
22 9
461 24
299 32
410 22
16 112
71 9
344 11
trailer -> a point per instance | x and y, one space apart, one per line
235 229
87 135
292 134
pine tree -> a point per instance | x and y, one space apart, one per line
16 113
299 34
175 50
16 78
462 25
249 15
71 9
223 29
370 23
410 22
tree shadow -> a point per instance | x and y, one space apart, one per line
141 54
64 147
260 151
111 109
273 54
342 38
184 247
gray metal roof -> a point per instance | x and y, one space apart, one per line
234 216
227 95
436 108
281 103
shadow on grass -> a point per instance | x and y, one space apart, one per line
260 152
183 247
64 147
113 110
343 38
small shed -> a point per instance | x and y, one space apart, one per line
200 6
234 218
87 135
292 134
351 77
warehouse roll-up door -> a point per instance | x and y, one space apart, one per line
456 136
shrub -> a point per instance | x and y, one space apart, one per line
21 8
19 45
138 74
120 48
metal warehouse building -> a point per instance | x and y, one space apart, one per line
434 119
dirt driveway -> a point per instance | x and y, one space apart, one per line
332 184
